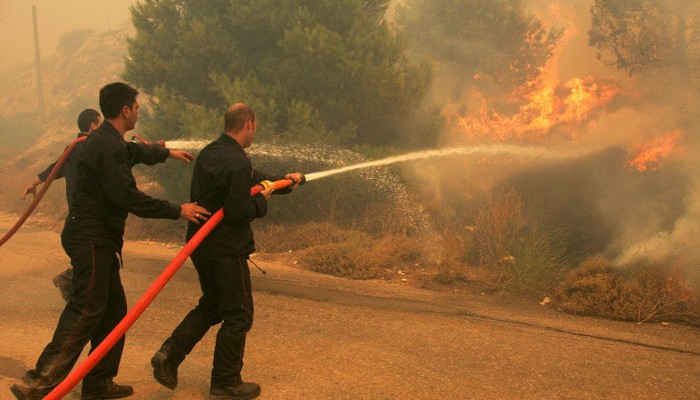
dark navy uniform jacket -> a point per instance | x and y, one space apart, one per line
105 189
222 178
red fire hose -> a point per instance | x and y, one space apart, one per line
43 190
101 350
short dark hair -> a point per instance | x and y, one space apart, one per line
236 116
114 96
86 118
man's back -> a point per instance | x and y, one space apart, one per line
222 178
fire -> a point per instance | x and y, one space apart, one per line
649 155
543 107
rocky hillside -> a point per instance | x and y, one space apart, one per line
72 76
83 62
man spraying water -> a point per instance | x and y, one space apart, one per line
223 177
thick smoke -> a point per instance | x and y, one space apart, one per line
608 205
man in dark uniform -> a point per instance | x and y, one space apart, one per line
105 193
89 120
223 176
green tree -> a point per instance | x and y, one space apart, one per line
495 46
323 70
643 36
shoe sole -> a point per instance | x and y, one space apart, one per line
160 375
107 396
233 397
18 393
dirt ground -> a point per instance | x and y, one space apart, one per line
321 337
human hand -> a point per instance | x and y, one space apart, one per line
30 189
193 213
267 192
181 155
297 179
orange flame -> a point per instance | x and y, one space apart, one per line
649 155
543 108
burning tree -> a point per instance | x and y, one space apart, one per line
493 46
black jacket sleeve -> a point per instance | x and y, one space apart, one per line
45 173
141 153
59 174
118 183
239 207
259 176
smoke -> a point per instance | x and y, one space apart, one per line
609 206
55 19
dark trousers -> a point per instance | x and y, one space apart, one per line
97 304
226 297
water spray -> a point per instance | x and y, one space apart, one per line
419 155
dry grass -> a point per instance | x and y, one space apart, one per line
639 293
364 258
280 238
349 253
524 255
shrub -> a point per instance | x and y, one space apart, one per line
363 257
277 238
524 254
641 292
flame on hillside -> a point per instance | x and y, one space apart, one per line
543 107
649 154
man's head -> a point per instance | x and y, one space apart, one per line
88 120
239 122
118 104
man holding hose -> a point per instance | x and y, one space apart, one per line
92 237
223 176
140 153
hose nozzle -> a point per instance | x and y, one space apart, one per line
160 142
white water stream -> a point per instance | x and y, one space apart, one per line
419 155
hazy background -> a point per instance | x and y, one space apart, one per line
56 18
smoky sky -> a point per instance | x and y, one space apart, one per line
55 18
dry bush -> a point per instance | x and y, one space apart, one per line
363 257
641 292
523 254
279 238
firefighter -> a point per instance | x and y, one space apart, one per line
88 120
92 237
222 178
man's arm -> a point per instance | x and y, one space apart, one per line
41 177
119 185
296 178
31 188
151 154
240 207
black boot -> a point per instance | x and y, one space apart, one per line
109 391
242 391
165 369
23 391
